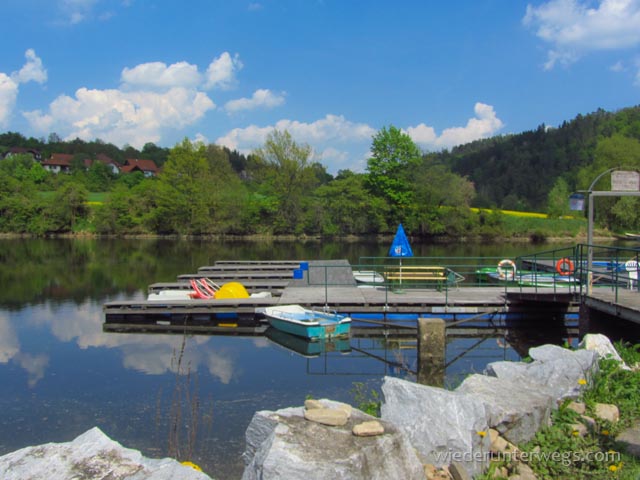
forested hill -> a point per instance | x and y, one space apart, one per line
517 172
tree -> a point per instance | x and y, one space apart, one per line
394 156
288 176
558 199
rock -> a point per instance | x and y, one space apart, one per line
579 429
458 471
499 444
555 370
368 429
516 410
442 426
630 440
327 416
578 407
606 411
310 404
603 347
433 473
91 455
283 445
589 422
524 473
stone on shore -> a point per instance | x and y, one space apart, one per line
283 444
629 439
516 410
561 372
443 426
603 347
370 428
92 455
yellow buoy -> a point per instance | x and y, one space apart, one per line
232 290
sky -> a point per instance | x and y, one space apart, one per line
330 72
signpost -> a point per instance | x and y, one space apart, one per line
623 183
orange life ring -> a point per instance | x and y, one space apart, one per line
506 269
565 266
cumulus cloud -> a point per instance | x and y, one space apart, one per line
573 28
8 96
32 70
262 98
221 72
119 117
322 135
483 125
330 128
159 75
153 97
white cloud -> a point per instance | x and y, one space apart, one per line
261 98
483 125
159 75
573 29
617 67
76 11
118 117
330 128
8 96
32 70
222 71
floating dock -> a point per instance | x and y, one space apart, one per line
319 284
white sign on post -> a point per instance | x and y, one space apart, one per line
625 181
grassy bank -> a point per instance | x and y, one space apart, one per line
577 447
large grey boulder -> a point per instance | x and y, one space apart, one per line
562 371
92 455
282 444
516 410
443 426
603 347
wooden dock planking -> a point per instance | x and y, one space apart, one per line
249 268
239 276
624 304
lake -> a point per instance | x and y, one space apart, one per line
186 396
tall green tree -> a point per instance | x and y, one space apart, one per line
288 176
393 159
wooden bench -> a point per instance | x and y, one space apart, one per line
419 274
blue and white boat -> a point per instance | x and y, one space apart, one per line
306 323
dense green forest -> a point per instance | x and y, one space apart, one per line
278 189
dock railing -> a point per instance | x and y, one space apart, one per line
614 268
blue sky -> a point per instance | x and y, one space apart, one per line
331 72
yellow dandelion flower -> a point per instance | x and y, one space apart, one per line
613 468
582 381
575 433
482 433
605 432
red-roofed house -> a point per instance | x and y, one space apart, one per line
109 162
147 167
61 162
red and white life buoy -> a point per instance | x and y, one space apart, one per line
565 266
506 269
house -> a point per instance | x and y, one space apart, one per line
58 162
37 156
147 167
109 162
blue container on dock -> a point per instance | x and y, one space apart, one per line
298 274
304 266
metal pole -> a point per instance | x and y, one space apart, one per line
590 245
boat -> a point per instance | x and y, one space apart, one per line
507 273
306 323
368 277
307 347
205 289
632 236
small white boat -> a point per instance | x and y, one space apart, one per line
306 323
368 276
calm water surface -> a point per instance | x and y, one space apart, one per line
190 397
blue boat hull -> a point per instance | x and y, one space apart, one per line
314 332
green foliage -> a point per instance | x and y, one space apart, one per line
393 159
368 402
558 199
